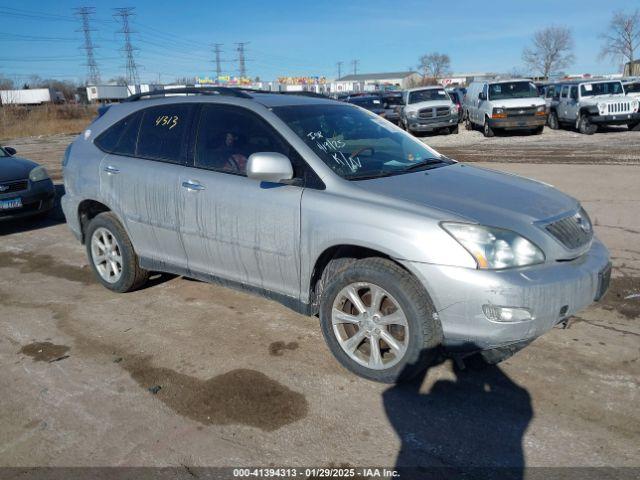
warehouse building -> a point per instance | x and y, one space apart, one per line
368 82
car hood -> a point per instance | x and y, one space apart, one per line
15 168
602 99
429 104
518 102
476 194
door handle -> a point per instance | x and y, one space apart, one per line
111 170
193 186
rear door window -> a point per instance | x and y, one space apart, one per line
164 132
121 138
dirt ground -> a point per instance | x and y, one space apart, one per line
185 373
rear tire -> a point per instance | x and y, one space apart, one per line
552 121
404 316
454 130
111 255
487 130
585 126
634 127
467 123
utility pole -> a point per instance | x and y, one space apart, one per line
218 51
339 64
123 15
93 74
354 64
242 67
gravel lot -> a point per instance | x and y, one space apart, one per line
244 381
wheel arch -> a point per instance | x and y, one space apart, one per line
335 258
87 210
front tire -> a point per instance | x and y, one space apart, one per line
487 130
378 321
111 255
538 130
552 121
634 127
454 129
585 126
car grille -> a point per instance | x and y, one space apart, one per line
618 107
10 187
434 112
520 112
574 231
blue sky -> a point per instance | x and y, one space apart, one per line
295 37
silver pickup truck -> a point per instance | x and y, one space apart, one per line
428 109
332 211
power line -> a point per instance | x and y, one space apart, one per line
93 74
131 67
242 67
339 64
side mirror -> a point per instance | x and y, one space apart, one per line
10 150
482 96
269 167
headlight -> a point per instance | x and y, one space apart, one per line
635 105
542 108
412 114
498 111
454 109
602 108
495 248
38 174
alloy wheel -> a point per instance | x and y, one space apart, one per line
106 255
370 326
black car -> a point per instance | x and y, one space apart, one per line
392 102
373 103
25 187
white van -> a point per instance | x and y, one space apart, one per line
512 104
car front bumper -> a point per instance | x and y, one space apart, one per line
532 121
430 124
551 292
620 119
38 198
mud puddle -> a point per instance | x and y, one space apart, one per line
277 349
45 351
241 396
28 262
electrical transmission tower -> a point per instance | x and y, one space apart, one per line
339 64
93 74
354 64
217 50
242 67
123 14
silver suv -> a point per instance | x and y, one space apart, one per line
587 104
332 211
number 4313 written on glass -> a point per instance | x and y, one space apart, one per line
168 121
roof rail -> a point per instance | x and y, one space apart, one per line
302 93
190 90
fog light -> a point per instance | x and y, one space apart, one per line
497 313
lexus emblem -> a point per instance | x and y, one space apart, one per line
4 188
582 222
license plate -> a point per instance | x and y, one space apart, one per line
604 278
10 203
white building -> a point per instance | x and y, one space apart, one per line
369 82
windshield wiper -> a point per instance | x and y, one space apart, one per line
370 175
425 163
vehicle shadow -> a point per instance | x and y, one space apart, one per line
471 426
50 219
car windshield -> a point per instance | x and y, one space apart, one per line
427 95
367 102
506 90
604 88
393 100
632 87
357 144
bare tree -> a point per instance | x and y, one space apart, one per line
434 66
551 50
622 39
